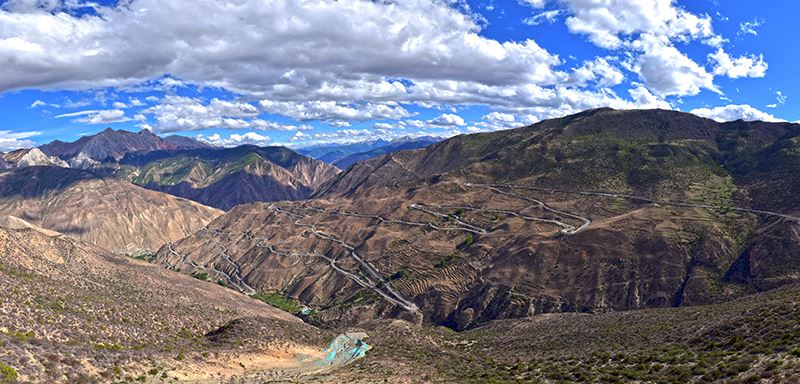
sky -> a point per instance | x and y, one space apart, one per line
305 72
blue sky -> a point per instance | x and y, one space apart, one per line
302 72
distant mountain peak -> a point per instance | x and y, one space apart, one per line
113 145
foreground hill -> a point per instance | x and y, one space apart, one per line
227 177
71 313
752 340
110 213
600 210
110 146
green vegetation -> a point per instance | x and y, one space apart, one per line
468 241
447 260
280 301
8 374
402 273
200 275
144 255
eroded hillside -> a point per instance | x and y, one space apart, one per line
601 210
110 213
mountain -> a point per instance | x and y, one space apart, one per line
110 146
602 210
109 213
227 177
329 153
29 158
72 313
391 147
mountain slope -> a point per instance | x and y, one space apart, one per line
77 314
600 210
227 177
109 213
110 145
754 339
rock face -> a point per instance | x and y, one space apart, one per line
600 210
227 177
31 158
71 312
109 213
110 145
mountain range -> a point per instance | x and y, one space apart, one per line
605 246
112 145
344 155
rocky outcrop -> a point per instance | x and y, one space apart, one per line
31 158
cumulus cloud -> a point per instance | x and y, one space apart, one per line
10 141
447 120
599 71
315 41
236 139
745 66
610 24
180 113
735 112
668 72
334 112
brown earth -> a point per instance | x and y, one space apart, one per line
688 212
113 214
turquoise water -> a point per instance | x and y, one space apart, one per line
344 349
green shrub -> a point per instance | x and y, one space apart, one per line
8 374
279 301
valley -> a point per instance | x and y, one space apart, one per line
589 248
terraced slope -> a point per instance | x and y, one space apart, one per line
227 177
603 210
110 213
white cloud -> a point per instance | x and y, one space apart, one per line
180 113
39 103
609 24
316 41
236 139
447 120
332 111
546 16
745 66
10 141
102 116
667 71
735 112
751 27
599 71
534 3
